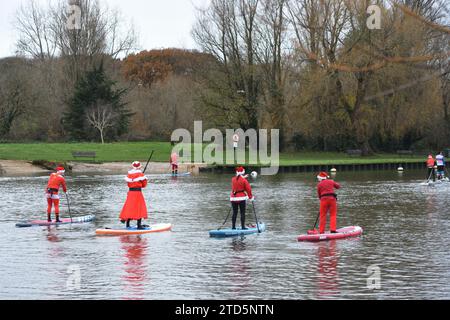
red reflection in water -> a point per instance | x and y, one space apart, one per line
328 281
135 276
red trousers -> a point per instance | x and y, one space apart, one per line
328 204
51 202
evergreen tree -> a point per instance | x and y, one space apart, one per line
95 91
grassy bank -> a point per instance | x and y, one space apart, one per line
130 151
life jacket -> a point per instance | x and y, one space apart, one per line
136 180
240 189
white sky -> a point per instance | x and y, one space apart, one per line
160 23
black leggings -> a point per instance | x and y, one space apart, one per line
236 206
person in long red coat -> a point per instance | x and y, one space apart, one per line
328 201
135 207
241 191
55 182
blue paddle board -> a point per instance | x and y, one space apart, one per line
224 233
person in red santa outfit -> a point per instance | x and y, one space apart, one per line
328 201
135 207
55 181
241 191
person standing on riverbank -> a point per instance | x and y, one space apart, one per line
135 207
174 163
55 182
328 201
241 191
431 163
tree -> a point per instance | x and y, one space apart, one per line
101 117
94 95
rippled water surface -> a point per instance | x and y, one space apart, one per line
406 224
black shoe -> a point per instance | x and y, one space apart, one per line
139 225
244 228
334 232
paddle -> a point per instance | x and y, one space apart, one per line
313 231
68 205
431 174
256 217
226 219
149 159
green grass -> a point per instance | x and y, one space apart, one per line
112 152
131 151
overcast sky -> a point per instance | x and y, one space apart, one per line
160 23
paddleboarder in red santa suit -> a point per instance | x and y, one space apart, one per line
135 207
55 181
328 201
174 163
241 191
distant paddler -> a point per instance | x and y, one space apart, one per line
431 163
135 207
241 191
55 182
174 163
328 201
440 162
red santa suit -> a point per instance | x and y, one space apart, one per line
135 207
328 201
174 161
55 182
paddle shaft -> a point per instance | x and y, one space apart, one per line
226 219
149 159
256 217
317 220
68 205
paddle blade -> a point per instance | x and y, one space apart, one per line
313 232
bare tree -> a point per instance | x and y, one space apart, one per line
35 36
101 118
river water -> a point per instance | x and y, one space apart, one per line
403 253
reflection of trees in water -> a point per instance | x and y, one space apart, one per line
135 249
328 279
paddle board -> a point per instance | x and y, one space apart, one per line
134 231
185 174
45 223
342 233
224 233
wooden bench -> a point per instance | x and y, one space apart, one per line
84 154
354 152
404 152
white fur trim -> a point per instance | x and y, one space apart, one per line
136 180
134 171
238 199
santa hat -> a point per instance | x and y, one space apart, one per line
60 170
240 171
323 176
137 165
